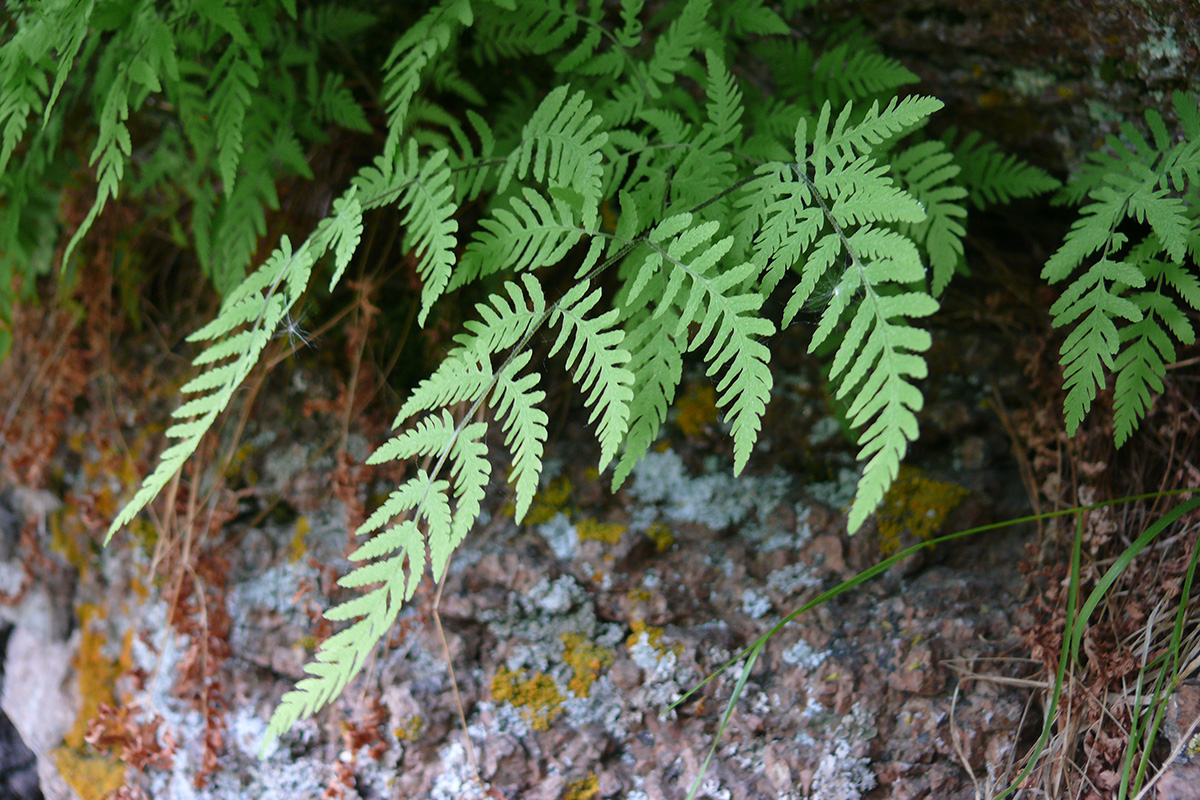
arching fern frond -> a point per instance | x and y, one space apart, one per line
657 367
927 171
822 209
515 404
259 307
534 234
991 176
1147 183
561 148
430 223
596 359
1141 365
855 70
681 269
229 102
340 657
412 53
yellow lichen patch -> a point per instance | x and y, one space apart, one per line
638 596
237 464
660 533
696 410
654 637
296 547
410 729
538 697
917 504
586 788
586 659
97 674
92 777
590 530
548 502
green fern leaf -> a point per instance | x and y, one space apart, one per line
345 230
596 359
515 403
823 208
534 234
465 374
657 367
1090 347
857 71
560 147
341 656
416 50
429 197
715 303
926 171
991 176
257 305
1141 366
229 103
845 140
337 104
673 49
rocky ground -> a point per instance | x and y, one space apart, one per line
569 635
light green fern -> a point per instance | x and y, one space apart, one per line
633 156
1151 183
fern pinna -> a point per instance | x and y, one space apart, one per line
1155 184
683 206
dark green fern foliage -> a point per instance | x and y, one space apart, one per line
1126 308
630 153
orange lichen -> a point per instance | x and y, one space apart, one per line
586 659
538 697
917 504
696 410
586 788
589 529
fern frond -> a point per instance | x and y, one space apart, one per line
750 17
1090 347
515 403
1141 365
823 208
596 359
416 49
657 367
1142 185
715 303
673 49
258 305
991 176
337 105
723 127
341 656
229 102
926 171
846 139
344 229
431 223
466 372
533 235
855 70
560 147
